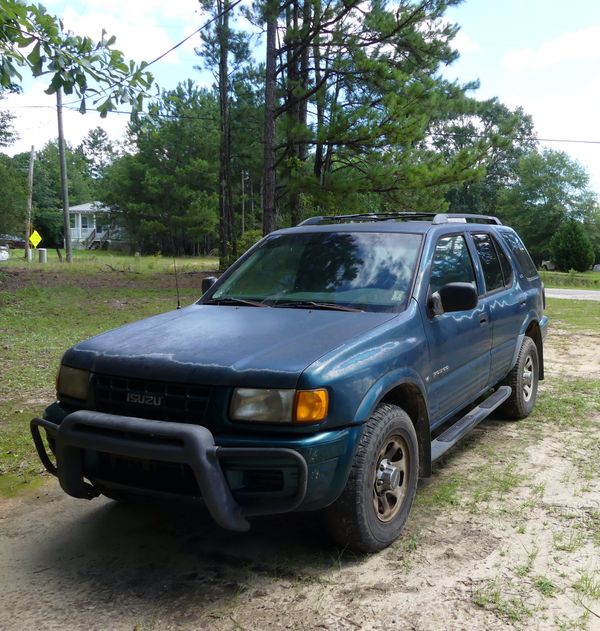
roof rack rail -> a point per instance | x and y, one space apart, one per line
435 218
311 221
464 217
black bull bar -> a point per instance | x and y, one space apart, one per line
162 441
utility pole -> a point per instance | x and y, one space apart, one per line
63 176
29 202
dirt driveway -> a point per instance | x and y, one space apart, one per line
505 535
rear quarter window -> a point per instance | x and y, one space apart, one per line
519 251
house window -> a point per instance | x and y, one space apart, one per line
72 220
84 222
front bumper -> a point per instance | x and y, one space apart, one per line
231 473
192 445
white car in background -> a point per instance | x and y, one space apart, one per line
4 253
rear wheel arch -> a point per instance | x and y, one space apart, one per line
534 332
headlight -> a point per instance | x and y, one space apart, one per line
279 406
73 383
262 404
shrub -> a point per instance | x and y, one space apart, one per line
247 240
571 247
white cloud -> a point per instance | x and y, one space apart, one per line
465 44
139 39
36 122
583 46
567 115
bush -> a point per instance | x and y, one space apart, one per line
571 247
50 225
247 240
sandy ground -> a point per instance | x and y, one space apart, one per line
507 560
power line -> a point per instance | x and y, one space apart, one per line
185 39
536 138
580 141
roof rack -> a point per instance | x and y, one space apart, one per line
435 218
464 218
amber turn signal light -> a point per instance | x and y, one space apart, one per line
311 406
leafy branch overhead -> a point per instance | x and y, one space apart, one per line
33 39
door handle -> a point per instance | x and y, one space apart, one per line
483 319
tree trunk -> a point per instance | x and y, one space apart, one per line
269 216
226 228
64 185
320 98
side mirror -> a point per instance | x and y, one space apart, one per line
453 297
208 282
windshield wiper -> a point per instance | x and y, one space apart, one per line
311 304
235 301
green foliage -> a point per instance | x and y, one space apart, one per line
49 223
571 247
13 184
98 152
379 99
591 223
32 38
550 189
248 239
46 176
510 137
166 192
7 133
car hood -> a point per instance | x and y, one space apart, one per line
222 345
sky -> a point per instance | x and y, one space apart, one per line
542 55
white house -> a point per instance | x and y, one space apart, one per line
92 227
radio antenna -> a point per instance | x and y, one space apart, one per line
175 268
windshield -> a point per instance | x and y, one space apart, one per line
365 271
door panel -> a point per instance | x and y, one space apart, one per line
460 342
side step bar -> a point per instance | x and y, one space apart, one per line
455 432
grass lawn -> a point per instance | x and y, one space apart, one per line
43 313
571 280
88 262
574 315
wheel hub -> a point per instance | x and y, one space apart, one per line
388 476
528 381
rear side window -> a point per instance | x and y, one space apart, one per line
507 270
451 263
492 271
515 245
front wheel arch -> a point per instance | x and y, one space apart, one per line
366 517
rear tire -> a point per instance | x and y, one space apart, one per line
523 379
371 512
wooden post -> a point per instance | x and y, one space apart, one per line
29 201
63 177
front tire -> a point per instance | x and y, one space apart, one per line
523 379
371 512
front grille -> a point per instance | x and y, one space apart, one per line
151 399
166 477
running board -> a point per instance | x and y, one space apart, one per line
455 432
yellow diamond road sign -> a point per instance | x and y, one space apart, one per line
35 238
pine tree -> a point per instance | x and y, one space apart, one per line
571 247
